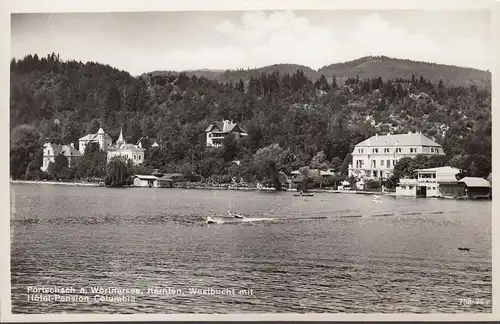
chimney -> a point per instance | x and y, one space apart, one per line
225 125
72 145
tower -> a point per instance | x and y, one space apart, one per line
120 141
100 139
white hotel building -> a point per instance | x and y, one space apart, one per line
375 157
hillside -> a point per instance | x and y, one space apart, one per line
63 101
234 76
390 68
366 67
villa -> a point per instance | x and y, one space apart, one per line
375 157
218 130
103 139
50 151
131 152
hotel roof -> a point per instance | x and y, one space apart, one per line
410 139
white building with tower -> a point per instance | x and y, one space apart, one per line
103 139
375 157
134 153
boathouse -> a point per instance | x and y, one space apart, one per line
473 187
168 180
148 181
437 182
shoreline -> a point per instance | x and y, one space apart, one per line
222 187
229 187
80 184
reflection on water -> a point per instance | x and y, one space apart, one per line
327 253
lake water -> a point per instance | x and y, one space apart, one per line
401 256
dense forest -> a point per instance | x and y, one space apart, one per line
291 119
365 67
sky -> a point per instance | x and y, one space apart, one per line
141 42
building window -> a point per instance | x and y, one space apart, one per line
375 150
411 187
398 150
386 150
434 175
382 163
388 163
432 150
374 164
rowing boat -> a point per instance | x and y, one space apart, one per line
303 194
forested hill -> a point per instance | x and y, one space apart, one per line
366 67
66 100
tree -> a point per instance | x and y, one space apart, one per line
230 147
336 163
322 83
404 168
59 169
334 82
93 126
71 129
319 163
307 177
117 172
111 103
25 150
269 160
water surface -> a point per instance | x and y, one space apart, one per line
314 256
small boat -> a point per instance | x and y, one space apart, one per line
231 214
222 219
463 249
303 194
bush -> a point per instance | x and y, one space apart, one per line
372 185
391 182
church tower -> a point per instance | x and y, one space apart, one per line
120 141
